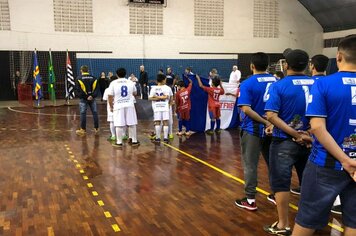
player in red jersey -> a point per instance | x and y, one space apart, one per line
214 93
183 107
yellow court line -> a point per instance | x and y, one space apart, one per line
238 179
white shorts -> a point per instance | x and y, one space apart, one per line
110 117
161 115
125 116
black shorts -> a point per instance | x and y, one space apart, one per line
319 190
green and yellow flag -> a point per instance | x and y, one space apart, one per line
51 79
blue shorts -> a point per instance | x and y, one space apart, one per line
283 155
318 194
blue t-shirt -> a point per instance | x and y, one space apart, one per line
334 98
253 92
288 97
315 77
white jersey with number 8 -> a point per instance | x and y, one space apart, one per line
122 90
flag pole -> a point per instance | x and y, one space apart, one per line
66 82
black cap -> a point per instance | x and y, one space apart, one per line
297 58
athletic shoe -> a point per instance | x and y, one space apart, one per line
157 140
336 209
171 136
295 191
218 131
165 140
179 134
243 203
187 134
135 144
111 138
272 229
124 138
129 141
272 199
209 132
80 132
96 131
118 145
152 135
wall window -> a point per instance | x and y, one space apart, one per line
265 19
146 18
4 15
209 17
73 15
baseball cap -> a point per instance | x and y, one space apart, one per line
297 58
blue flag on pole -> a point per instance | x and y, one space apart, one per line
37 81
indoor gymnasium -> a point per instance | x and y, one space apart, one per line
178 117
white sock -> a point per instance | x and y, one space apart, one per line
337 201
250 200
119 132
124 129
165 132
158 131
132 133
112 129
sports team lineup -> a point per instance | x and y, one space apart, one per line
290 118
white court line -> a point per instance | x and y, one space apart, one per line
46 114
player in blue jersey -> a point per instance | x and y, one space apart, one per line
285 109
253 95
318 65
331 169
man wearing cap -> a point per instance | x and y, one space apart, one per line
285 109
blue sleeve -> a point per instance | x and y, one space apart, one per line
245 98
317 103
273 102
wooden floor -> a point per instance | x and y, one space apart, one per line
53 182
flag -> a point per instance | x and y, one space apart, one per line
51 79
37 81
69 80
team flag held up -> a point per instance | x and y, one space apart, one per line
51 79
69 80
37 80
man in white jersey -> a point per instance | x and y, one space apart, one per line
161 96
235 75
121 99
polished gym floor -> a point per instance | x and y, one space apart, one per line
53 182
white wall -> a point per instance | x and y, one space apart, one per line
32 27
331 52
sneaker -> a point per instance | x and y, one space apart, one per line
171 136
96 131
179 134
129 141
187 134
124 138
272 199
243 203
135 144
272 229
209 132
111 138
295 191
117 145
336 209
157 140
152 135
166 140
80 132
218 131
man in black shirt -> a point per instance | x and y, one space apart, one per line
87 91
170 79
143 82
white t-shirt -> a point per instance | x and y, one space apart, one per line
235 77
122 90
161 90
